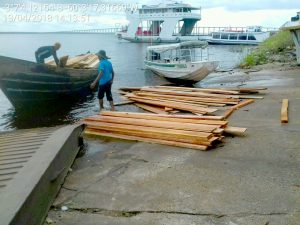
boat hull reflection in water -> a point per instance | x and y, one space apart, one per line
48 113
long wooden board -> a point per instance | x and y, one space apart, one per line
228 112
191 102
156 123
151 108
208 90
214 119
193 98
123 103
242 104
284 111
89 131
170 104
195 94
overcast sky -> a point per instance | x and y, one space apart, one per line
35 15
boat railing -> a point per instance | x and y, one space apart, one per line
180 56
207 31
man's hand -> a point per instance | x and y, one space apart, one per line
111 82
93 85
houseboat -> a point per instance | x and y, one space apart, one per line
161 23
250 36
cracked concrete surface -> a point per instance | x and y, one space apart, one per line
250 180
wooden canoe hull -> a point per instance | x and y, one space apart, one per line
22 81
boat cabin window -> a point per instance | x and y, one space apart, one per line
178 10
186 54
186 10
224 36
216 36
251 37
155 56
243 37
233 36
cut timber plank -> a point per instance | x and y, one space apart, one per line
123 103
150 140
239 131
208 90
155 123
182 93
242 104
182 101
250 97
151 108
215 119
191 137
170 104
168 109
284 111
122 92
73 61
187 98
93 64
248 90
228 112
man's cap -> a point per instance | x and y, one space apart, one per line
102 54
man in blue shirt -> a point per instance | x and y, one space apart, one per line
105 78
46 51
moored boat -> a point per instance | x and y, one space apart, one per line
181 62
24 81
250 36
163 23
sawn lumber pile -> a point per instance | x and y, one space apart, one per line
199 128
84 61
199 101
188 131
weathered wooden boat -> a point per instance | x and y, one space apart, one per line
184 62
23 81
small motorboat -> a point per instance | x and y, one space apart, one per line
181 62
24 81
251 36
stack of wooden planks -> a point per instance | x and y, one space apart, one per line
84 61
199 101
188 131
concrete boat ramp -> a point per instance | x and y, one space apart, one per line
33 165
251 180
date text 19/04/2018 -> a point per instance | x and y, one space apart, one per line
37 18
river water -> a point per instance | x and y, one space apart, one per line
127 59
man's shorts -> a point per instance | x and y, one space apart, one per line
105 88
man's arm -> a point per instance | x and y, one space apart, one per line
55 58
113 75
93 85
36 56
